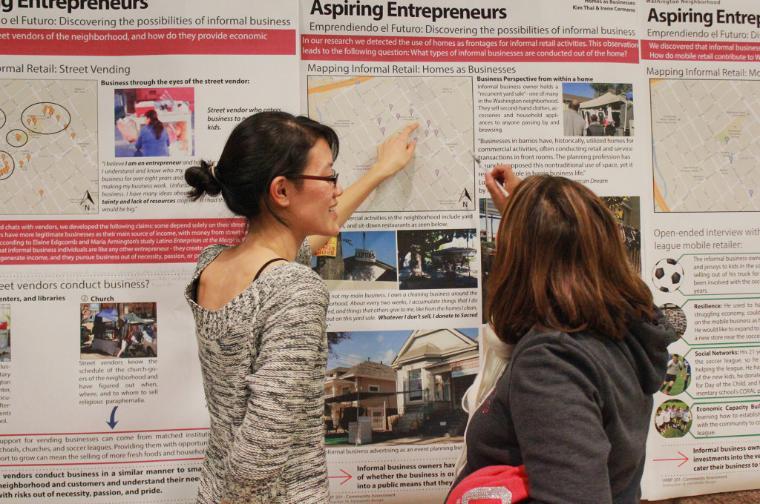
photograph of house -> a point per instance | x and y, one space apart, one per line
359 260
398 387
369 386
434 368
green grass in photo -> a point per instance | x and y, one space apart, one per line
681 383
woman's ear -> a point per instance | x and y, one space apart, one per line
279 191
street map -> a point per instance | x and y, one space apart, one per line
48 147
706 144
365 110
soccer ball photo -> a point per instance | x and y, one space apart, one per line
667 275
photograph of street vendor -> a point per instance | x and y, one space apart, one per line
154 122
118 330
153 139
597 109
5 333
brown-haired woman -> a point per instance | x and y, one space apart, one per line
573 398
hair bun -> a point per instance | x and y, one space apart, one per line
202 180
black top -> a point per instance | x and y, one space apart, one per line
575 409
258 273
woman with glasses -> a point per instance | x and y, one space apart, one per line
260 310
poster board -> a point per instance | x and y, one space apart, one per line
97 238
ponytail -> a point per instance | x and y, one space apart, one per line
203 180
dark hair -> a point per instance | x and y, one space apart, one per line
561 264
154 123
263 146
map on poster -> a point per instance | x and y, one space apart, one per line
365 110
48 147
706 142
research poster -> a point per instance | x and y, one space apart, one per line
652 104
100 390
486 83
700 68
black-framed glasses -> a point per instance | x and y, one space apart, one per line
331 178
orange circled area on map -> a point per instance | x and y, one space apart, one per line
337 85
660 199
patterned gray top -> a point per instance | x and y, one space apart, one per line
263 358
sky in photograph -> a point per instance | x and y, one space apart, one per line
460 242
383 243
584 89
378 346
578 89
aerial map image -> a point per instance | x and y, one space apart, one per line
705 145
364 110
48 147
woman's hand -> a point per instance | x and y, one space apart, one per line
395 152
501 182
392 155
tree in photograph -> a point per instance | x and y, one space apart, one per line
603 87
429 241
333 338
